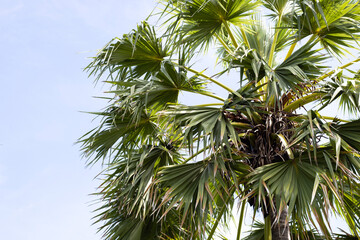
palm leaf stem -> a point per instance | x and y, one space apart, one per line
223 44
286 145
220 215
267 229
323 117
241 219
195 155
216 223
212 96
211 80
273 46
233 40
332 118
292 47
271 57
303 101
210 104
333 71
263 88
244 36
291 50
241 125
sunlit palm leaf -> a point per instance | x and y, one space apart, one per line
157 92
204 18
117 133
137 53
174 171
347 90
303 65
334 23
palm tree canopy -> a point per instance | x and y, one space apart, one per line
174 171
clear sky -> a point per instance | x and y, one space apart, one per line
45 44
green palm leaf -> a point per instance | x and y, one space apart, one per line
137 53
299 68
347 90
130 195
204 18
158 91
118 132
175 171
334 23
349 132
208 123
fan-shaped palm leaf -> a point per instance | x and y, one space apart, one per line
174 171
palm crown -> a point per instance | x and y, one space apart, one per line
175 171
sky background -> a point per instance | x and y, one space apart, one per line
45 44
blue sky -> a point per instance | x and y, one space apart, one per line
45 44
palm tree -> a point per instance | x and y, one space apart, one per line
175 171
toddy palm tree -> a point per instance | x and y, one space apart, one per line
175 171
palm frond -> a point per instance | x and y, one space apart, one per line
349 132
138 53
201 188
175 171
130 195
297 70
203 18
333 23
117 133
290 182
158 91
346 89
207 123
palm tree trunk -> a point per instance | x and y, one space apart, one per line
279 227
